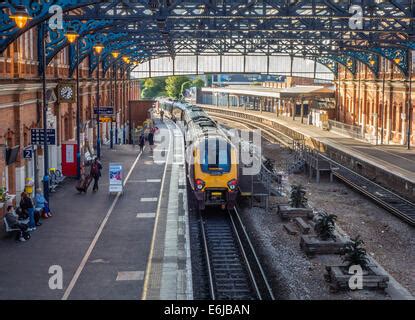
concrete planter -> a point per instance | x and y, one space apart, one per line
338 277
312 245
287 212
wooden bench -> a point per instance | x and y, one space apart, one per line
290 229
304 226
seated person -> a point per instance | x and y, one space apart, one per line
21 214
42 204
26 204
14 223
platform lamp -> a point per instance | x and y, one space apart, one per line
20 17
73 37
98 48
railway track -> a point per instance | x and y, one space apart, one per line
397 205
233 268
392 202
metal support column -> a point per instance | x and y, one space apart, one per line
98 111
410 108
43 34
78 115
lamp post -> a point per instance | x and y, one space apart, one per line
45 120
127 61
409 116
73 37
116 102
115 55
182 89
98 50
21 17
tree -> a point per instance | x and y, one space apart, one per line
174 86
198 83
153 88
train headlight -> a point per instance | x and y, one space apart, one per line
233 184
200 184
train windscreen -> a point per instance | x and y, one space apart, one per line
215 156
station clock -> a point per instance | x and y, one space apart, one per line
66 92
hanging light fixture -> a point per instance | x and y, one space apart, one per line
115 54
397 59
71 35
21 17
98 48
136 63
349 63
372 61
126 59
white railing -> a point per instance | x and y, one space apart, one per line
353 131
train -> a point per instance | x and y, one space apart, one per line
212 159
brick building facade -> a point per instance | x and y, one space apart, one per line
379 105
21 108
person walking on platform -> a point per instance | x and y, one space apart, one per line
151 138
141 142
96 168
161 115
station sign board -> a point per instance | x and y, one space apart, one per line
106 111
116 177
28 153
106 119
37 136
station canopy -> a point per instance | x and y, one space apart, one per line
222 36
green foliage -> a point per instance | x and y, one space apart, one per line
297 196
325 226
355 254
175 85
198 83
153 88
3 194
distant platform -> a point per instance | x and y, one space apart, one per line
389 165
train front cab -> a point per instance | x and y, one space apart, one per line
214 173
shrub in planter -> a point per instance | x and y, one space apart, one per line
355 254
325 226
297 197
325 241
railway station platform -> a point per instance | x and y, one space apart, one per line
389 165
105 244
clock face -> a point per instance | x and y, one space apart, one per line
66 92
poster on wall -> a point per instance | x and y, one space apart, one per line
70 157
115 177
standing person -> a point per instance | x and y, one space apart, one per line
161 115
141 142
42 204
96 168
151 138
26 204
